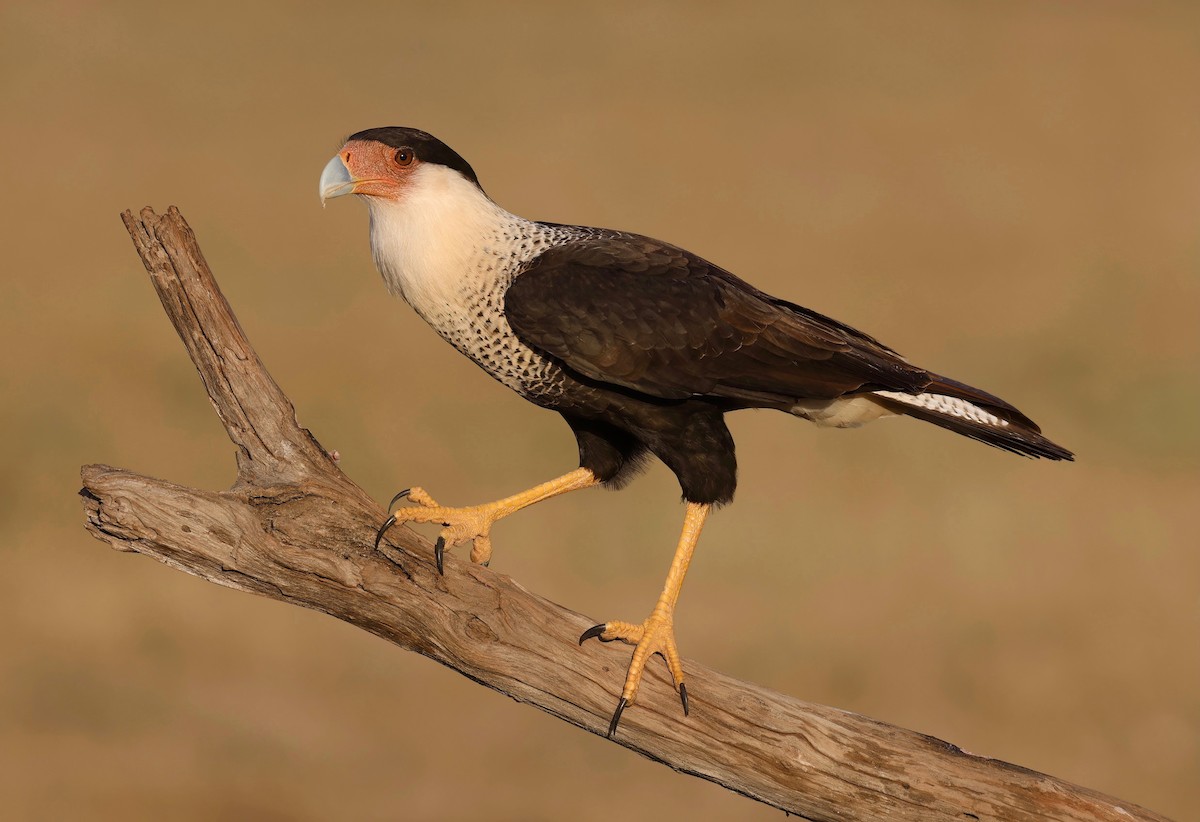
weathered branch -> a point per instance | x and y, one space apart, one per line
295 528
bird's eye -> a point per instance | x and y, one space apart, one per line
404 156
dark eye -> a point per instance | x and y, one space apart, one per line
404 156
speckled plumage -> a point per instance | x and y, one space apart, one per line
456 280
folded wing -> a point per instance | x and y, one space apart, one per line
648 316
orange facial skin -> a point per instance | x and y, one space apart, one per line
378 170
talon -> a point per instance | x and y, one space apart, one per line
683 697
612 726
439 554
594 631
398 497
387 523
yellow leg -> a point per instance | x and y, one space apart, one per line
474 523
657 634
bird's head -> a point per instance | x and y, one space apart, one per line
390 163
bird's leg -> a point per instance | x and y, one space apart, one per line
657 634
474 523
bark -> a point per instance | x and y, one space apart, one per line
295 528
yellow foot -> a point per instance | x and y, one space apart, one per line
657 634
461 524
475 523
654 636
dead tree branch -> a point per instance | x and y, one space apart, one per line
295 528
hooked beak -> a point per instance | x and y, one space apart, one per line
336 180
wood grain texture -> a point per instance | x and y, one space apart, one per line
295 528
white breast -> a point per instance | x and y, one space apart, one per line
451 253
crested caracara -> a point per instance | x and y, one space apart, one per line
641 346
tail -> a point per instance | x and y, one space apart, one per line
976 414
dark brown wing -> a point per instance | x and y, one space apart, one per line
642 314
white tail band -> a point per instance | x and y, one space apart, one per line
951 406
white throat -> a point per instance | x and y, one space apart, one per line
429 245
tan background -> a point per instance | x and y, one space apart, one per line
1007 192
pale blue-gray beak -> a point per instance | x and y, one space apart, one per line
335 180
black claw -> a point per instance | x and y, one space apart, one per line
612 726
594 631
387 523
439 554
398 497
683 697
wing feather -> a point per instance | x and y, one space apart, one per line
648 316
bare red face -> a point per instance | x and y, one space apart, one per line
371 168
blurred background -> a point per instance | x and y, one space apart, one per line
1007 192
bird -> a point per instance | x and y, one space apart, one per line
641 346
